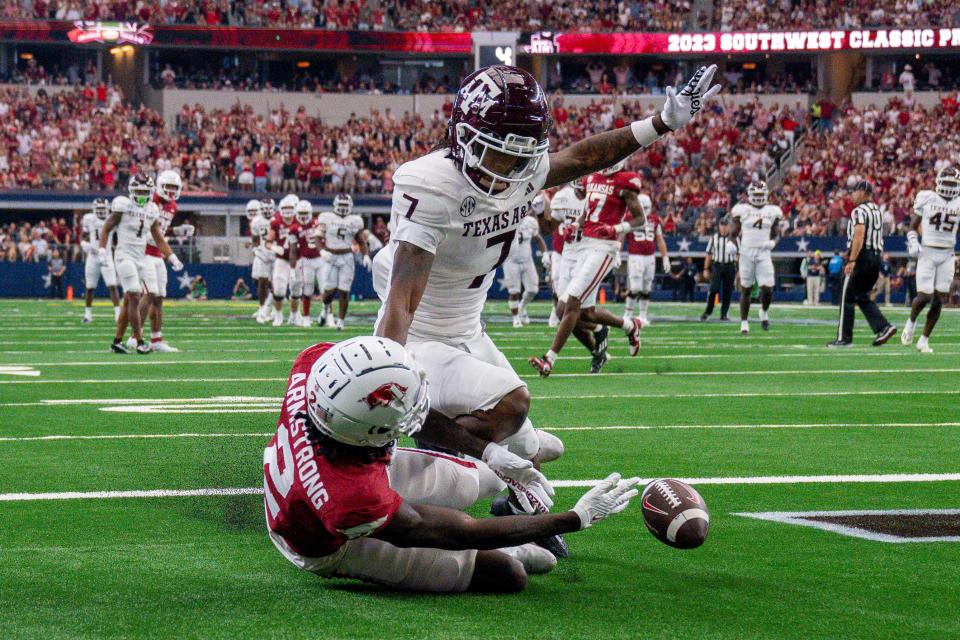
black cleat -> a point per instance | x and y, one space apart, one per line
839 344
554 544
885 335
599 360
703 317
765 325
143 348
118 347
601 337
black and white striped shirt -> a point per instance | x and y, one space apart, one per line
869 215
722 249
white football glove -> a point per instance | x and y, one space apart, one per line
86 246
680 108
175 263
102 255
367 263
545 260
768 245
277 248
617 260
611 496
913 244
666 264
534 492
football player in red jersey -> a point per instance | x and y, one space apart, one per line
310 265
613 208
341 500
641 267
282 240
168 191
454 215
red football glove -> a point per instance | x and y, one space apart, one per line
570 232
606 232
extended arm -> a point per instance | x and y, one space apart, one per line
605 149
108 226
164 246
411 270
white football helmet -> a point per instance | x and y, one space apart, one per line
757 193
101 208
646 203
366 392
169 185
288 208
254 208
615 168
342 204
948 183
267 208
304 212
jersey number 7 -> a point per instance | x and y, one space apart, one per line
505 240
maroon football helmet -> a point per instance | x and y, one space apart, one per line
503 109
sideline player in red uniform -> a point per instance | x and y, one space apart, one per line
310 265
612 198
282 240
641 267
342 501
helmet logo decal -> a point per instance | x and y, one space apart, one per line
385 395
482 94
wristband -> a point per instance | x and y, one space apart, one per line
912 236
623 227
644 132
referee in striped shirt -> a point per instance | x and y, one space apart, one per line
864 247
722 257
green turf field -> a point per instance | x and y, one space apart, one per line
769 422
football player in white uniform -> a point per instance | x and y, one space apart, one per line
167 194
135 218
93 269
565 208
340 229
520 275
262 267
936 217
757 224
454 216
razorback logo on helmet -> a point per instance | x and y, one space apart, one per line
385 395
481 94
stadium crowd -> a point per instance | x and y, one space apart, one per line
379 15
750 15
87 138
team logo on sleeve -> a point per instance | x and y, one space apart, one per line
385 395
467 206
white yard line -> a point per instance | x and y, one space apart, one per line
802 518
806 425
735 480
134 436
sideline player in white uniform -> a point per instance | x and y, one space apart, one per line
565 208
340 229
455 212
641 266
282 241
262 267
93 269
135 218
342 501
311 266
936 217
519 271
757 224
168 191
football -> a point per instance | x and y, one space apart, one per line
675 513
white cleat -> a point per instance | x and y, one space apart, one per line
535 559
524 318
744 327
87 320
256 315
277 319
338 324
925 348
517 322
131 343
331 320
305 321
163 347
906 336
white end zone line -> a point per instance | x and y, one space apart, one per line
802 518
807 425
250 491
132 436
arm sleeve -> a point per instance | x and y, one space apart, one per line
420 214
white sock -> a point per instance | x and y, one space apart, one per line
527 298
88 312
908 326
631 303
156 335
514 306
642 304
553 315
116 313
628 325
763 315
550 356
744 324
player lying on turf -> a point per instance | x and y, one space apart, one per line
455 213
342 501
937 218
